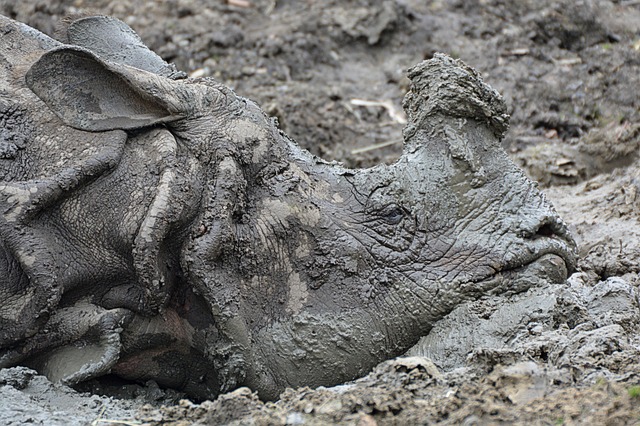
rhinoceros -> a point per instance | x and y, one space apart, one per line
159 227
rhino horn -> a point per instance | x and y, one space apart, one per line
444 88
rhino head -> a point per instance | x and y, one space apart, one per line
245 260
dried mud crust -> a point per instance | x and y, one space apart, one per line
410 391
333 72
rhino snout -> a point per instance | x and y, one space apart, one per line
549 235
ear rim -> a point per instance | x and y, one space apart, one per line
86 31
142 85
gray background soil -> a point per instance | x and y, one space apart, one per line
570 72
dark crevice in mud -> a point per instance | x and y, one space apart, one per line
115 387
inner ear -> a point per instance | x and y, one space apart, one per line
90 94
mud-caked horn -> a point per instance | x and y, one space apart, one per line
442 89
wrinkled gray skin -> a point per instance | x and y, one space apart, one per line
156 227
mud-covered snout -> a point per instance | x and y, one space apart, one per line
477 208
480 214
545 255
534 230
522 234
549 235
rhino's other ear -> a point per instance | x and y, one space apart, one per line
91 94
115 41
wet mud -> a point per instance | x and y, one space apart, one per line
333 73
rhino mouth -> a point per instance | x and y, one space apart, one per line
540 247
544 260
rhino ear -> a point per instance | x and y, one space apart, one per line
91 94
113 40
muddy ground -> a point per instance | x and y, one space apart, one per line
332 72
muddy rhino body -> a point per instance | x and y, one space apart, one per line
158 227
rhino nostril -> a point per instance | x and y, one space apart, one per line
550 236
546 230
549 227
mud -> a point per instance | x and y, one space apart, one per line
333 73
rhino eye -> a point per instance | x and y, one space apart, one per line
392 214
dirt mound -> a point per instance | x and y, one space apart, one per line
412 391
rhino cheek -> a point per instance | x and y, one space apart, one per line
279 277
326 347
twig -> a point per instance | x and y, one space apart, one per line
239 3
118 422
375 146
517 52
270 7
397 116
567 61
99 419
